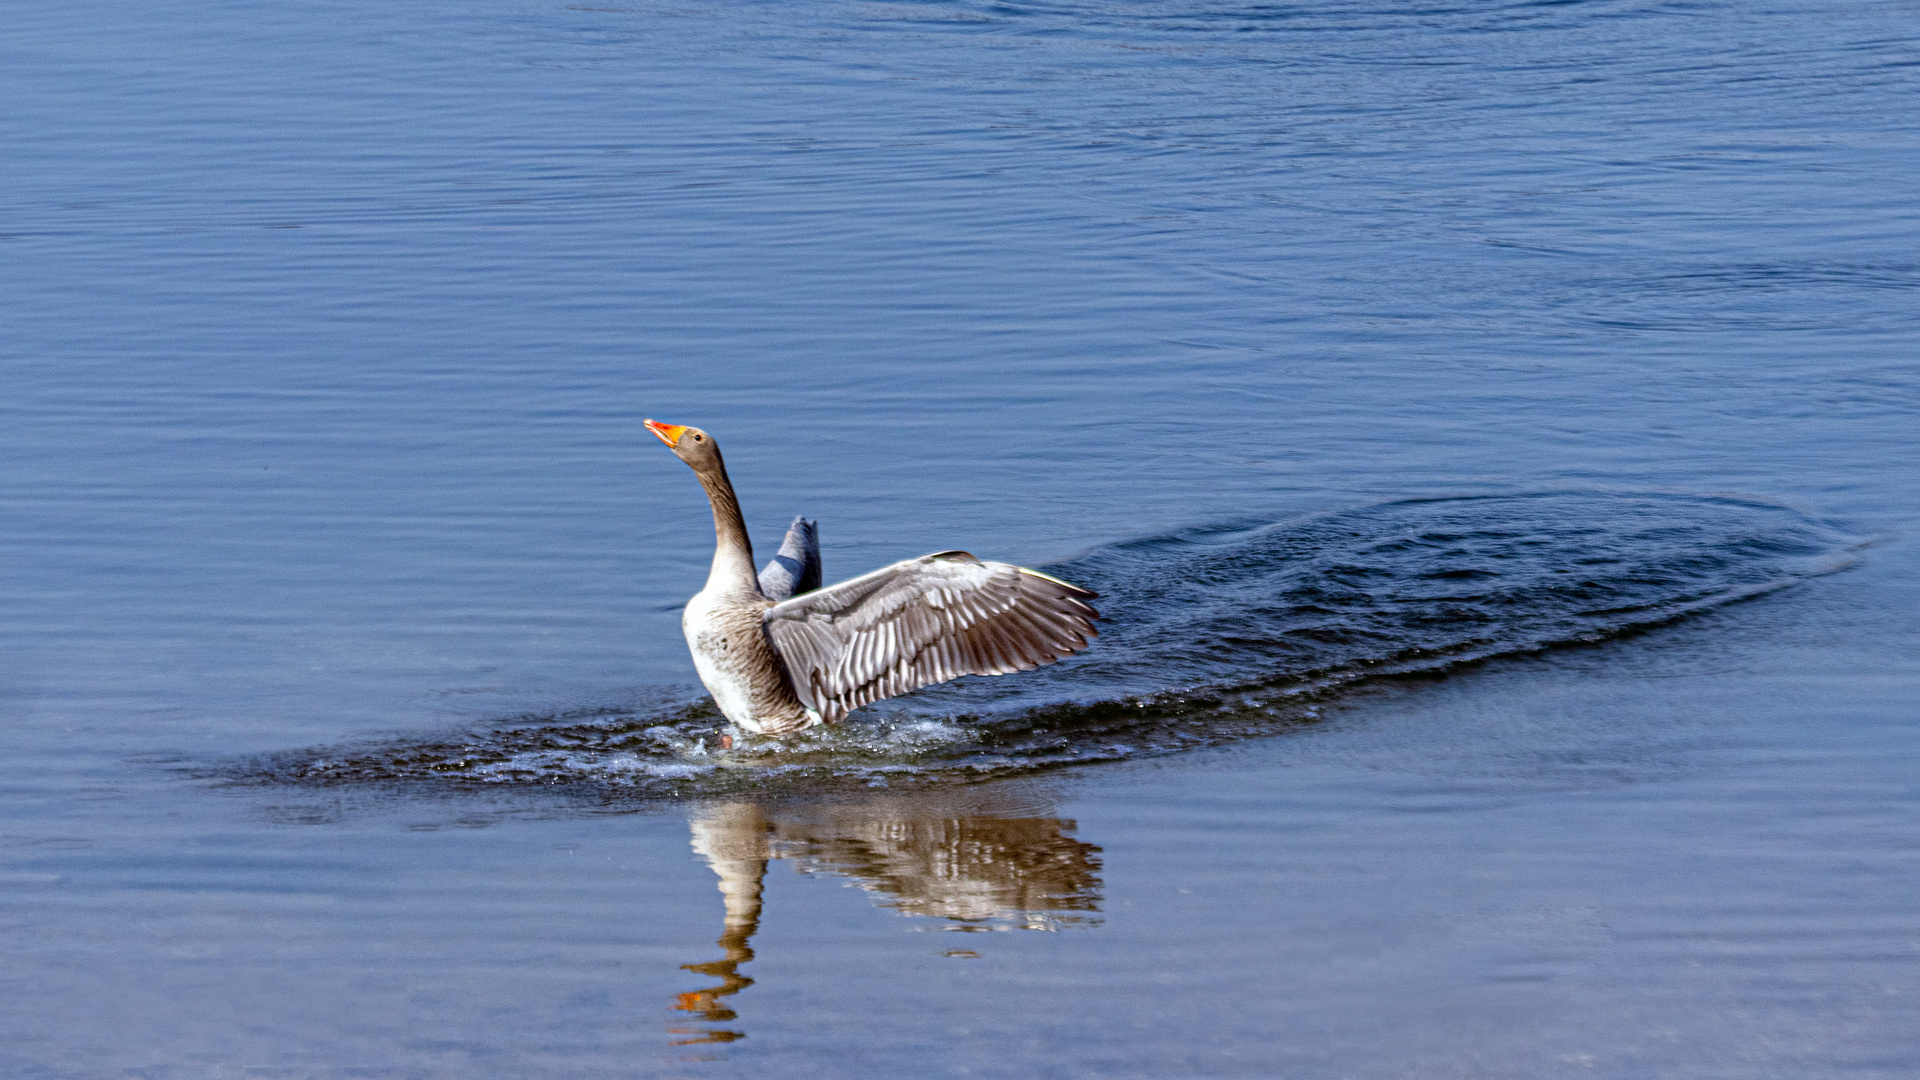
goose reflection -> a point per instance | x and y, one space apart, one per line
975 870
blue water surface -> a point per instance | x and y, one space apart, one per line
329 327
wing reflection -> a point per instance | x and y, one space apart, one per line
978 870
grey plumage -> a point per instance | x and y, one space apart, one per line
924 621
795 569
780 653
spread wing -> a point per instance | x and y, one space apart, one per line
924 621
796 568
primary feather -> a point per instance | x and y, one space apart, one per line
795 568
924 621
780 653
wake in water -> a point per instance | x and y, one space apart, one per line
1207 637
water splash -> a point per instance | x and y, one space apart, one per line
1208 636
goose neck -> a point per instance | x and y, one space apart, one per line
732 551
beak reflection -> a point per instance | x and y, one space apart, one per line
975 871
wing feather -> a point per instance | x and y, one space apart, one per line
795 569
924 621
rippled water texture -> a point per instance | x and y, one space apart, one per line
1207 636
1494 430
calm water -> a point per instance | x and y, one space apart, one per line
1495 430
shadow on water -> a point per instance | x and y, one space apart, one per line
972 871
1208 636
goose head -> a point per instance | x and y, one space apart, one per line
689 444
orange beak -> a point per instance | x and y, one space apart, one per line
669 433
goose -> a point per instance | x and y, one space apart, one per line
779 653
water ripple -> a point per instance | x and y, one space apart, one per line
1210 636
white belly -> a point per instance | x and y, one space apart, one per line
720 662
